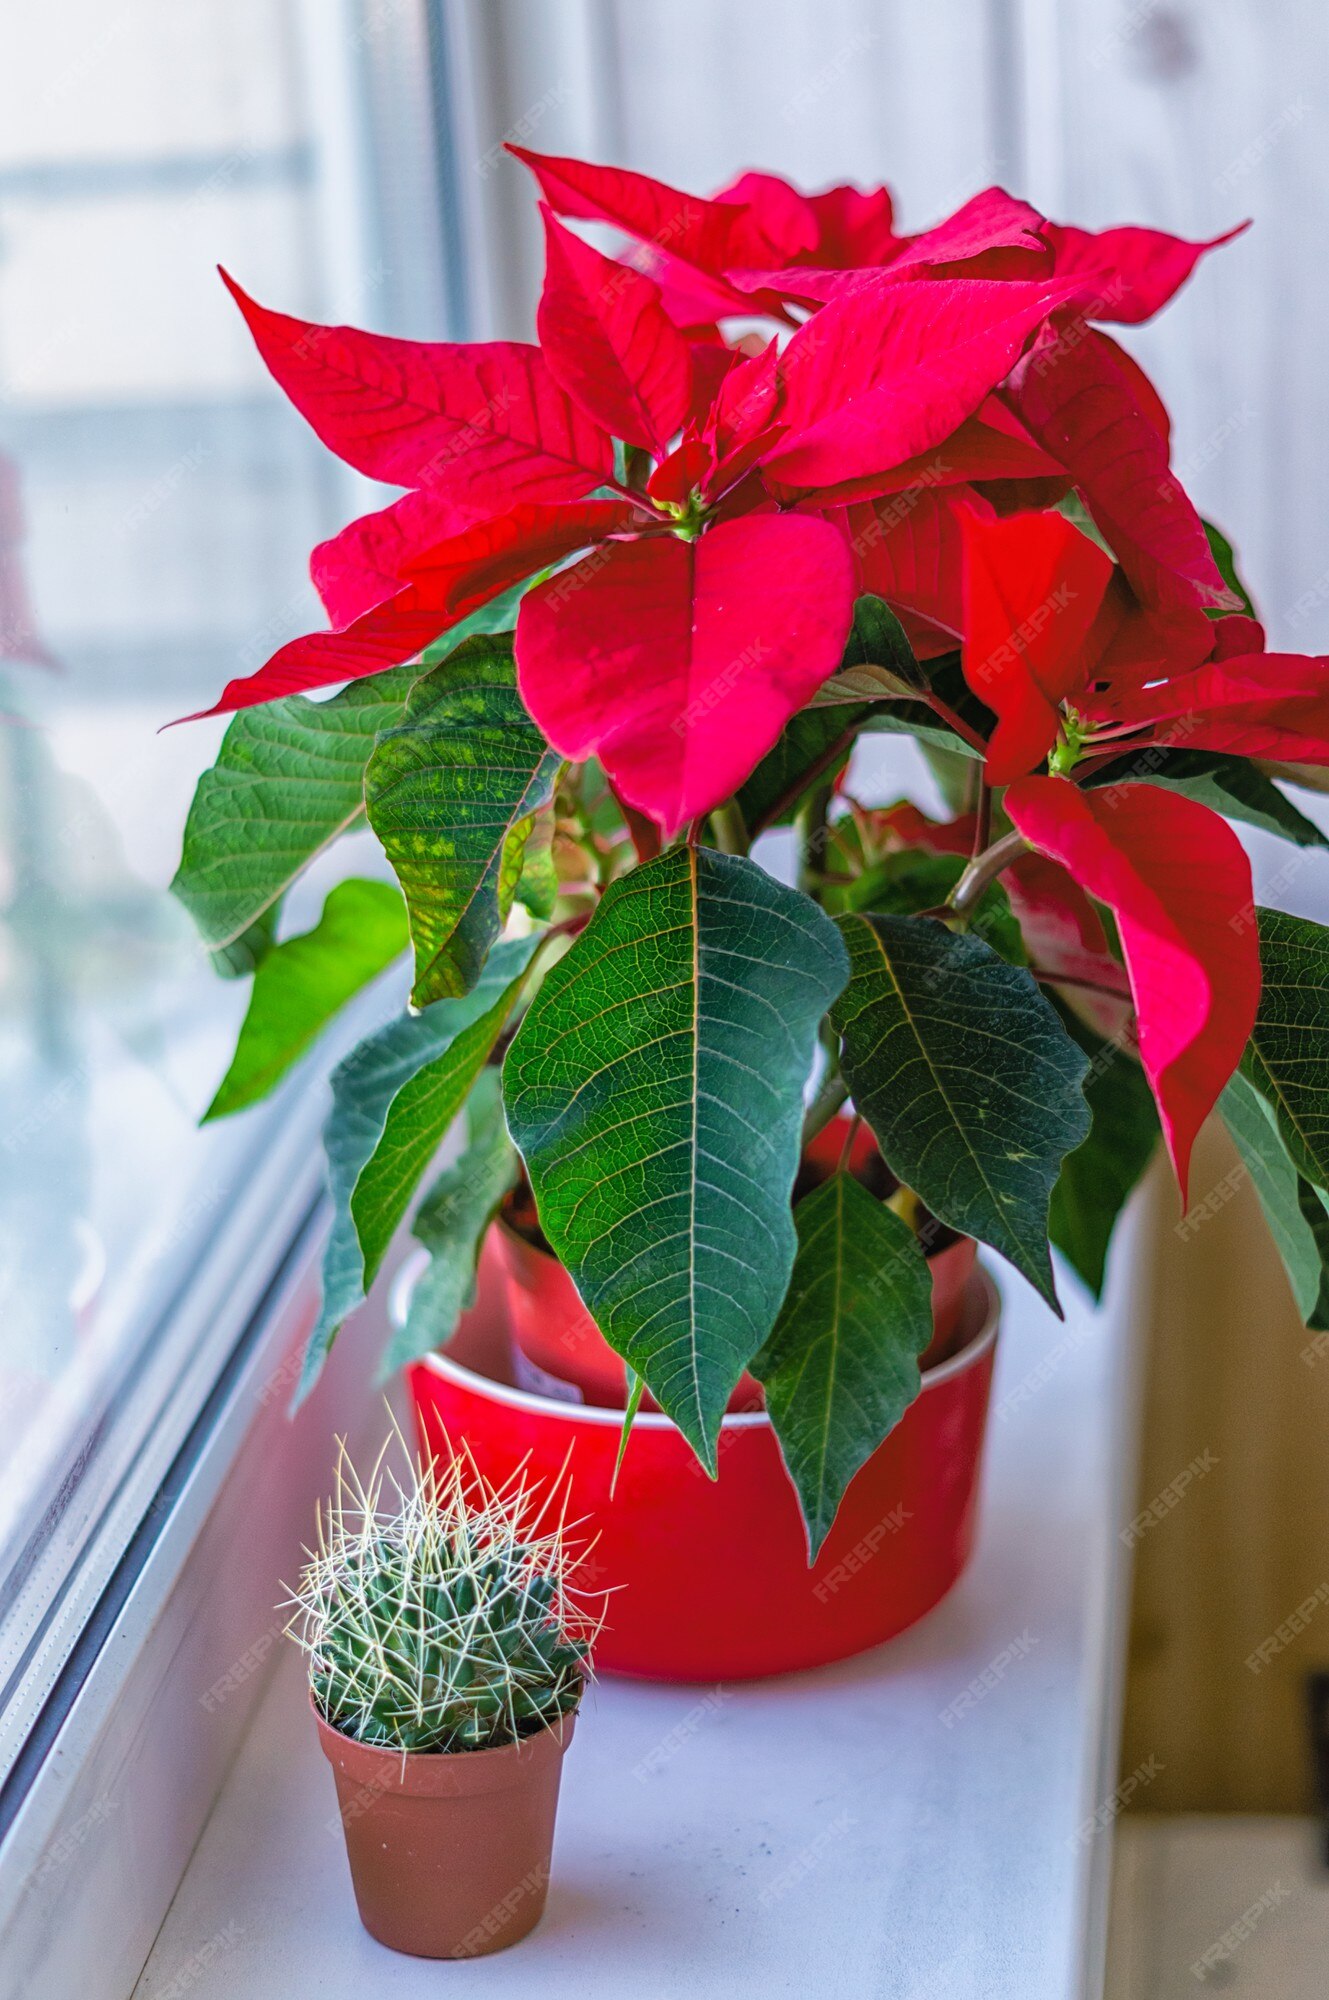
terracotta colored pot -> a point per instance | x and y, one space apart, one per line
449 1853
562 1352
709 1579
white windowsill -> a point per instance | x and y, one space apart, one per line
826 1831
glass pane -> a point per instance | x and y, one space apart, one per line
157 504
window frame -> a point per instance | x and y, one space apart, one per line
148 1575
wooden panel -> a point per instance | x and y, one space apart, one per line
1231 1531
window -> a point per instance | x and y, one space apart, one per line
157 500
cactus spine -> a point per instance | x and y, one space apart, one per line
434 1616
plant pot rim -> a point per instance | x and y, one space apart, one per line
441 1772
969 1356
515 1235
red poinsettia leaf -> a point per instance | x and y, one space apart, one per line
990 447
913 827
786 219
711 362
1033 586
695 240
1074 398
1177 879
992 236
889 370
442 586
609 342
1127 274
989 221
803 284
483 422
681 472
362 566
1132 645
1273 705
678 663
853 227
1236 634
1150 403
908 550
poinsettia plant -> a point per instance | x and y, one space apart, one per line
775 478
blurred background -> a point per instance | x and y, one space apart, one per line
157 505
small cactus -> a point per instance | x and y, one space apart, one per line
441 1621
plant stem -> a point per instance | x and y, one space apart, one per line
729 828
983 870
811 825
983 816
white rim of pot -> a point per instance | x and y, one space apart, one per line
595 1413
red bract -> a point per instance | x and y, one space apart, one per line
891 370
1033 589
907 547
1273 705
1049 623
1078 403
1127 274
1178 882
694 240
678 663
438 588
487 421
610 343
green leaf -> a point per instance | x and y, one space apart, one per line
425 1106
655 1090
301 984
451 789
537 884
289 779
808 746
945 677
1229 785
1254 1128
1098 1176
1221 550
451 1222
878 662
913 719
243 955
952 767
392 1099
906 883
967 1077
841 1365
1287 1058
1314 1204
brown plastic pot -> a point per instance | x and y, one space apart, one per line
449 1851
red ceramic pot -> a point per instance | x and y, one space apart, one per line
709 1579
562 1352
